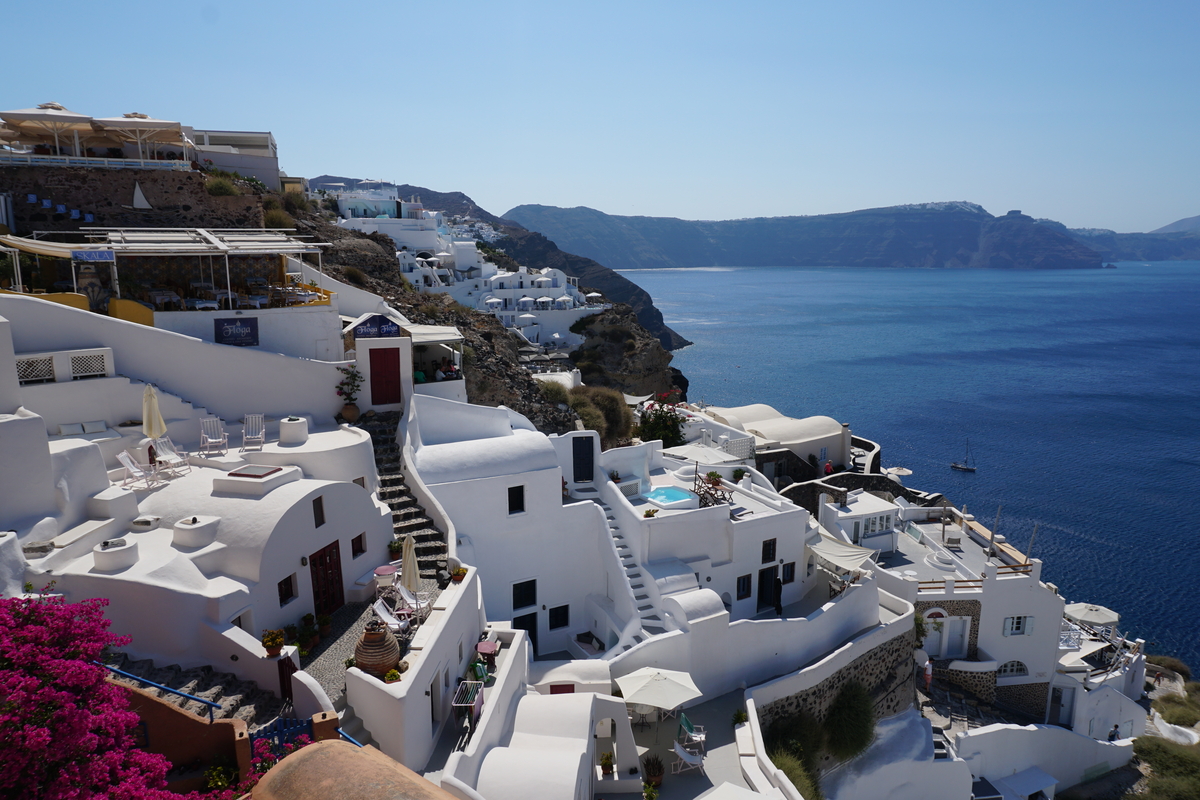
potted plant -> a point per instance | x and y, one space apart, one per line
649 791
395 546
309 637
325 624
308 620
649 512
740 717
713 479
738 474
616 476
392 676
347 389
652 770
606 763
458 574
350 662
291 632
272 641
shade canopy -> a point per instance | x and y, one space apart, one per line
662 688
141 129
152 421
47 120
842 554
1091 614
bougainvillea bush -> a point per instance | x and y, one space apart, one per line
65 731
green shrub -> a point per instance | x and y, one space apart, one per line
1173 664
799 734
618 419
553 391
740 716
277 218
1168 759
850 723
294 202
355 275
662 423
793 767
1178 710
270 202
592 419
580 325
221 187
1177 787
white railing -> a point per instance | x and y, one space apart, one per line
31 160
740 448
1070 637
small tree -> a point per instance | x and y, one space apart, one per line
65 728
662 422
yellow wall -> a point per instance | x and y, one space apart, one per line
131 311
66 298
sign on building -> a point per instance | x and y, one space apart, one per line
376 326
239 332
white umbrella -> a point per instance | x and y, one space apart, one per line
142 129
527 316
901 471
410 576
545 299
152 422
662 688
593 294
48 119
1092 614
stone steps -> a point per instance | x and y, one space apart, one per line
237 699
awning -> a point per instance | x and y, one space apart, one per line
845 555
1029 782
433 334
52 249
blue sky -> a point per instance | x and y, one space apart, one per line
1085 112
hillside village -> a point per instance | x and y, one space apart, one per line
316 471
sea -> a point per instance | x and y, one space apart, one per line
1078 392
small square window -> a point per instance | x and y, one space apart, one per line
318 512
789 572
768 551
358 545
524 594
287 589
743 587
516 499
560 617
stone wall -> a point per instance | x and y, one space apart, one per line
886 671
1028 698
177 200
980 684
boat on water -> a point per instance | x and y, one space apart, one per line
966 465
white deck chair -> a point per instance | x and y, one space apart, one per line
686 761
169 458
135 472
394 624
254 431
419 603
212 435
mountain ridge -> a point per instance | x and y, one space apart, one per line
954 234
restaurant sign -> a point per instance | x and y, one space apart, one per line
242 332
93 255
376 326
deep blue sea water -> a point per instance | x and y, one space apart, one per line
1079 392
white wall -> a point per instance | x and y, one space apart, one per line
26 478
228 381
1098 710
302 331
9 383
998 751
1020 595
265 168
363 348
398 715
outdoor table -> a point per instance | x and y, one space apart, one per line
197 303
385 576
488 650
642 714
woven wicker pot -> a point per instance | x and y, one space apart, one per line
377 650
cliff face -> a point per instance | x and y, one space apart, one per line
942 235
619 353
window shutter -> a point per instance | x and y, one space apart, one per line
1029 626
1008 625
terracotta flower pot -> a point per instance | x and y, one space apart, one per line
377 651
350 412
273 652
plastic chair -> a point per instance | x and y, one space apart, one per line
213 435
254 430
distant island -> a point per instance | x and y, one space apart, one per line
929 235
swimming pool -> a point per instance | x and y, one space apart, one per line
672 497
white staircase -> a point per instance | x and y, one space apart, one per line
648 612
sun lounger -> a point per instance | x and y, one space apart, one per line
394 624
135 472
168 458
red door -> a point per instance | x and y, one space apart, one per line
325 568
385 376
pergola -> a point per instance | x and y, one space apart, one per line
199 242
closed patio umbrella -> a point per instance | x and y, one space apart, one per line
410 576
152 422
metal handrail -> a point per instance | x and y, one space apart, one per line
350 738
211 705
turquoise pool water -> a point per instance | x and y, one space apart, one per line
669 494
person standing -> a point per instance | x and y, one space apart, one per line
928 675
778 597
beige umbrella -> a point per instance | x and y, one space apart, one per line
1092 614
152 422
48 119
410 576
142 129
662 688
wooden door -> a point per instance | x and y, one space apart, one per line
385 376
582 459
325 568
766 588
529 624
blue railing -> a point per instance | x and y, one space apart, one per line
283 730
211 705
349 738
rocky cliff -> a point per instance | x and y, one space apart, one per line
930 235
620 353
